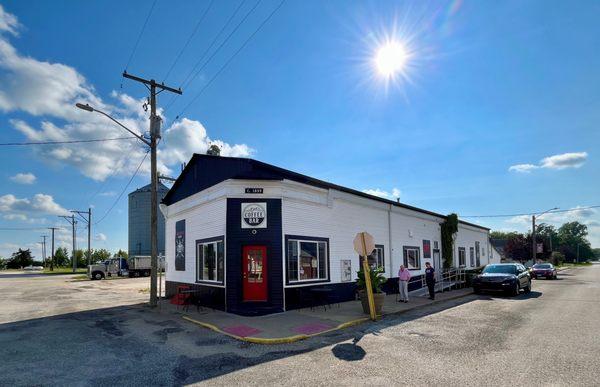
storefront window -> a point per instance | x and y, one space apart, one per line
412 257
210 258
376 259
306 260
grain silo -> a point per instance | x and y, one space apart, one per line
139 220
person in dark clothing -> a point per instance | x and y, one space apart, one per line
430 279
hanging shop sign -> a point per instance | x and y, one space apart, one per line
254 215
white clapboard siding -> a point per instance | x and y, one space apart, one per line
201 222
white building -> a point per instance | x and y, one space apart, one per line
253 238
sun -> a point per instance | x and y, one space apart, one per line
391 58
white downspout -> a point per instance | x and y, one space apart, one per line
390 241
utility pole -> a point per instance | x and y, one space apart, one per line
52 256
154 136
44 250
73 222
533 242
88 220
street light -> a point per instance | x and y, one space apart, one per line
533 241
154 134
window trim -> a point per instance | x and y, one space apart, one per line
405 257
464 250
207 241
471 256
303 238
380 247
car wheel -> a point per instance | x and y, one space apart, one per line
146 274
98 276
516 290
136 274
528 287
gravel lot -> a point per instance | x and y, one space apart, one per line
57 332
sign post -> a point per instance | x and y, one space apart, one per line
363 244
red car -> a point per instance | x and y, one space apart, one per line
543 270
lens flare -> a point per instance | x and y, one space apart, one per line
390 58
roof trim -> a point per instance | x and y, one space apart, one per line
298 177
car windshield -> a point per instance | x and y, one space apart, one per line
542 266
508 269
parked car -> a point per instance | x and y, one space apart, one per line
33 268
503 277
543 270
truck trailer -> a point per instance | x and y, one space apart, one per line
135 266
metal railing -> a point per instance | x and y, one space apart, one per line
452 278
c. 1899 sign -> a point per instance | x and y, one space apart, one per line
254 215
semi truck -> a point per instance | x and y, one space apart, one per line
135 266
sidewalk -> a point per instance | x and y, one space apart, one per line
300 324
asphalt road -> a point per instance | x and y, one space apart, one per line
551 336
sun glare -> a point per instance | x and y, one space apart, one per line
390 58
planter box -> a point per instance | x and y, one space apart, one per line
378 297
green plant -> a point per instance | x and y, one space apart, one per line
377 280
448 228
557 258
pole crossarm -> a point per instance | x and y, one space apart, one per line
152 82
168 178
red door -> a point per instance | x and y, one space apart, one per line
254 273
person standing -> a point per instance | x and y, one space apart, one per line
403 278
430 279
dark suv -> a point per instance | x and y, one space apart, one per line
503 277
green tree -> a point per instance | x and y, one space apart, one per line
518 247
572 238
20 259
502 235
100 255
596 254
81 258
61 257
122 254
3 263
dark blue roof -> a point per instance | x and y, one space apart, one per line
204 171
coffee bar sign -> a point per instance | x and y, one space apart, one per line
254 215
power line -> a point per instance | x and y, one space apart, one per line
231 58
123 191
187 79
217 36
140 35
528 213
64 142
26 228
188 40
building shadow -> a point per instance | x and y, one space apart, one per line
157 347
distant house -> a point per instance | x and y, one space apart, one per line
139 220
499 246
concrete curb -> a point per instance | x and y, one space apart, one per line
291 339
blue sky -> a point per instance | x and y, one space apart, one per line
487 86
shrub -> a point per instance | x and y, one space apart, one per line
377 279
557 258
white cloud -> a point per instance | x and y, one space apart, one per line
23 178
50 90
561 161
565 160
523 168
395 194
40 204
108 193
100 237
8 22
